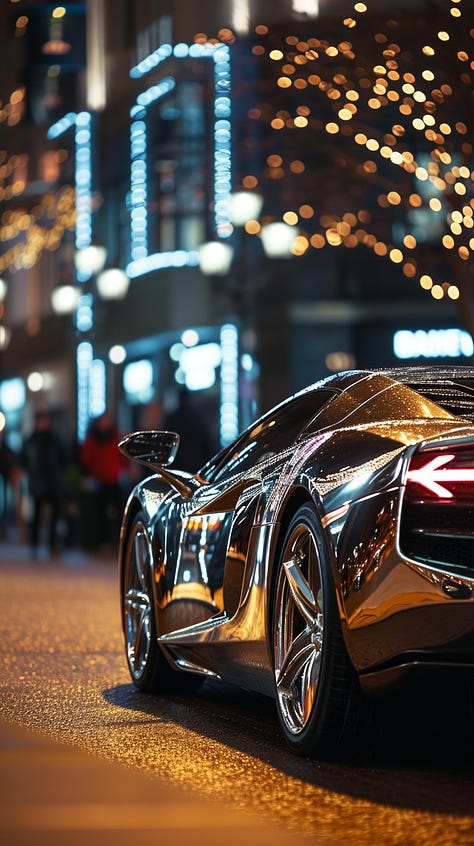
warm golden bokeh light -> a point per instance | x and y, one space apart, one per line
426 282
252 227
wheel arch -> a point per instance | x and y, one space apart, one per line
134 506
297 497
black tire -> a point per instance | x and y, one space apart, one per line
148 667
317 690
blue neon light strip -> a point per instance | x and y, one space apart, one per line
138 173
142 262
57 129
84 357
158 261
97 391
91 387
229 406
83 170
222 143
83 180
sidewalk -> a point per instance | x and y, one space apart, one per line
13 551
54 794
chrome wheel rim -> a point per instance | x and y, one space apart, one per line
138 602
298 629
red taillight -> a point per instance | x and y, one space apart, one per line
441 474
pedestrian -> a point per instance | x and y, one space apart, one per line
103 466
9 475
195 447
152 416
44 459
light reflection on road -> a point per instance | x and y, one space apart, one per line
63 673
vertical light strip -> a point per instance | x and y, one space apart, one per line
229 404
84 355
222 142
138 172
240 12
138 187
83 138
306 7
89 398
82 123
141 260
96 88
97 388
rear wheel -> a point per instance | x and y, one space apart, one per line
317 689
149 669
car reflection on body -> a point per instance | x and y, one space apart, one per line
325 552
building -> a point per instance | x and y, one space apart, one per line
132 128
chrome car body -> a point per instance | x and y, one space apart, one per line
326 551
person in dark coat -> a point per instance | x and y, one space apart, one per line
195 446
8 483
44 460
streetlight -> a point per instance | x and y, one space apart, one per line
233 260
5 337
245 206
278 239
89 261
215 258
64 299
109 284
112 284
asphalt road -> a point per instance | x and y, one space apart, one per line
64 677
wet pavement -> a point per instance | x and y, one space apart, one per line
83 755
52 793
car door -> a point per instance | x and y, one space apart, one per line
217 521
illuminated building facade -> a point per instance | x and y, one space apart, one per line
133 129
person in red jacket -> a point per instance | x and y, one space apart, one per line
103 466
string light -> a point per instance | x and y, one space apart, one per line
360 98
30 233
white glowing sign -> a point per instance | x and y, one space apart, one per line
432 343
199 366
12 394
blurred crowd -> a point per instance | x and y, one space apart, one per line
55 496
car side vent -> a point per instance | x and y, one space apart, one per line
449 387
456 398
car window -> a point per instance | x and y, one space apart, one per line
271 434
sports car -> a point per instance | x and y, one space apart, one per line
322 555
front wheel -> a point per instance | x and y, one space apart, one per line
317 690
149 669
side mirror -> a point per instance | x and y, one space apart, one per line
157 449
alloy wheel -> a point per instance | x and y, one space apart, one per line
138 603
298 629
